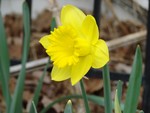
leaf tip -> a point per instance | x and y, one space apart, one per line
69 102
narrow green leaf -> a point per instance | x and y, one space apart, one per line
116 103
84 97
38 89
16 105
119 90
4 65
96 99
134 84
107 91
68 108
4 54
35 111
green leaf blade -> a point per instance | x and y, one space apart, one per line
4 65
134 84
119 90
16 105
4 56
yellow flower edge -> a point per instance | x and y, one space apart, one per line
75 47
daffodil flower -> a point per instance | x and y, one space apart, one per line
75 47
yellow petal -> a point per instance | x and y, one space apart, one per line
45 41
90 29
80 69
116 103
72 15
60 74
100 54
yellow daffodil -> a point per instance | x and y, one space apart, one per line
75 47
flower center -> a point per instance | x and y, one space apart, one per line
82 47
66 46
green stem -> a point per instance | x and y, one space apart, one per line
107 91
84 96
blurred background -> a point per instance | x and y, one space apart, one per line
122 23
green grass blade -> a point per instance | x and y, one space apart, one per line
107 91
119 90
134 84
4 65
38 89
17 97
84 97
95 99
68 108
35 111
